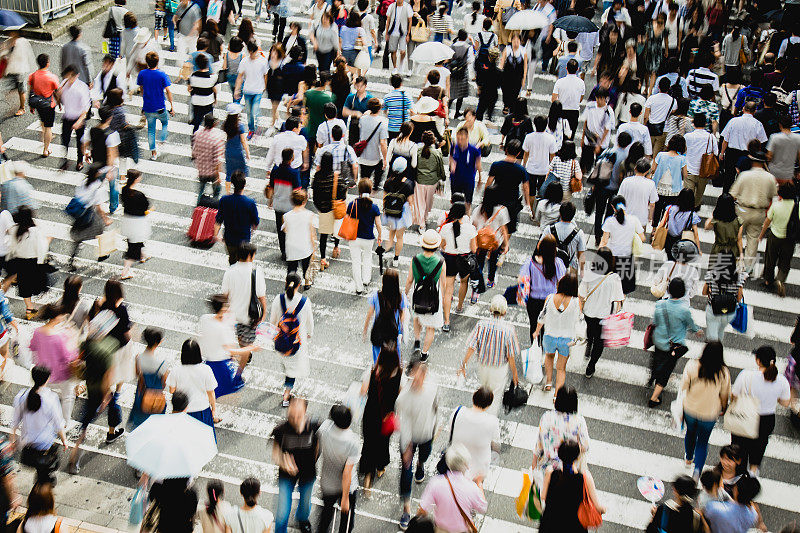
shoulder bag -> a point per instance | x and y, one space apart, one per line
360 146
709 164
575 185
441 466
742 418
339 207
676 349
588 515
420 33
153 400
467 520
349 228
657 129
660 289
487 237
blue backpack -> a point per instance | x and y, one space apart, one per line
79 212
287 340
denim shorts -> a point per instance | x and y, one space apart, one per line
552 344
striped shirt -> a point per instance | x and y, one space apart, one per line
201 87
493 340
701 76
341 152
441 23
398 108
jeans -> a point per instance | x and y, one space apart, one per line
438 37
113 194
696 440
216 187
716 324
493 255
326 516
324 60
361 260
163 117
424 451
232 85
252 106
170 29
284 502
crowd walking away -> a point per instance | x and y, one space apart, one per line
334 244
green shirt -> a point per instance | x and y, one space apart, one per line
726 237
99 358
430 170
428 264
779 213
315 100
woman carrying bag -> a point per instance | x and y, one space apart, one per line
559 317
27 248
152 372
329 205
681 222
367 217
723 287
389 309
290 308
538 279
678 515
769 389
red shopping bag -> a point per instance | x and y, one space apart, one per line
617 329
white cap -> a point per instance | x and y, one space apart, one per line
234 108
399 165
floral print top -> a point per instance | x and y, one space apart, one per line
554 428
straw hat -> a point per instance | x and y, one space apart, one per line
426 105
430 240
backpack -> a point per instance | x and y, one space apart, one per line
562 247
425 299
487 237
383 7
792 51
793 226
393 202
385 326
516 131
676 90
287 340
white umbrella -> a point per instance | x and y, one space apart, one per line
527 20
431 52
171 446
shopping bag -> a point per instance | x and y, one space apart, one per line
659 238
637 246
617 329
107 243
138 506
362 61
676 409
354 400
533 511
743 319
522 499
532 365
742 417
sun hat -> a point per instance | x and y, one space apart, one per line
430 240
426 105
399 165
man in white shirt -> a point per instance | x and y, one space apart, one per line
657 108
794 39
251 83
640 193
588 43
342 153
637 130
596 131
698 77
783 150
290 138
73 95
237 285
569 90
539 148
324 135
698 143
738 132
398 31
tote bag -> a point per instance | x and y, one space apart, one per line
742 418
617 329
588 515
107 243
349 229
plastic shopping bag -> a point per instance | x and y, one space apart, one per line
743 319
522 499
617 329
676 409
354 400
138 506
532 365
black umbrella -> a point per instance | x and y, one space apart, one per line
576 23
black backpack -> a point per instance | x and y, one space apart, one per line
676 90
562 248
385 326
394 201
792 51
425 299
458 65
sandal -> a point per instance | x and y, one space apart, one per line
548 387
125 277
144 259
30 314
19 113
323 264
335 252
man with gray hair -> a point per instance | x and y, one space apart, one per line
495 342
17 192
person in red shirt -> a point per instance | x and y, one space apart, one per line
44 85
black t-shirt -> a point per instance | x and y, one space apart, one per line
507 178
302 446
516 129
400 185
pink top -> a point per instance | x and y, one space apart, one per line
437 494
53 351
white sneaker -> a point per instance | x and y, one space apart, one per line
153 155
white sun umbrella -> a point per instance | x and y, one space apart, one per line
171 446
527 20
431 52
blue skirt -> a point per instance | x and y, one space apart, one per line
228 378
206 418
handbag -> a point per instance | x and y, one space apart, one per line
742 418
153 400
487 237
575 184
420 33
339 207
660 289
389 424
648 336
360 146
743 318
349 228
722 303
709 164
514 397
441 465
107 243
742 54
637 246
657 129
486 149
222 76
110 30
588 515
467 520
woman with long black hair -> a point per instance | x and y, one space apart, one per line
458 241
557 125
619 230
38 412
27 247
323 197
381 388
492 213
727 227
135 226
388 308
680 218
538 279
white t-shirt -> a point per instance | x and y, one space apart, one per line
598 305
325 131
90 195
767 392
638 133
236 283
639 192
6 221
499 218
297 226
214 335
538 146
570 89
369 24
659 105
254 71
476 430
466 234
398 16
195 381
41 524
698 142
254 520
620 236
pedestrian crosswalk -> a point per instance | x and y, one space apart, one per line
171 290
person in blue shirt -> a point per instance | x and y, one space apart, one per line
369 219
754 92
739 515
155 84
239 215
465 162
202 50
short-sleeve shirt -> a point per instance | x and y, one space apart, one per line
297 226
466 164
678 221
301 446
188 17
153 82
366 219
508 177
570 89
639 192
780 213
603 293
620 240
768 392
255 519
660 104
44 83
214 336
338 448
460 245
427 264
784 148
353 103
238 214
563 231
730 516
372 153
538 146
254 71
195 381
